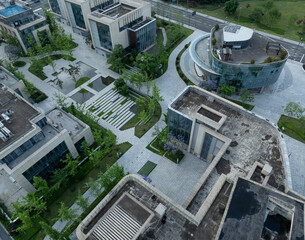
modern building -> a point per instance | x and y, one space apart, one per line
21 22
110 22
238 56
32 143
243 188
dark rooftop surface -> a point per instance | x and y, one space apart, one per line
176 227
137 26
253 139
118 10
247 212
256 50
19 124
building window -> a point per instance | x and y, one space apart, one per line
46 165
78 15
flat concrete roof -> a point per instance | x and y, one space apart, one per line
60 120
115 11
20 119
253 139
247 214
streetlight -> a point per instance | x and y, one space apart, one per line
301 40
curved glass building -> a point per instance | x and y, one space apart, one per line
238 56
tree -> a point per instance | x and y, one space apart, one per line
111 177
121 86
34 204
98 136
292 19
82 202
231 6
94 186
42 188
86 148
226 90
268 5
148 63
115 58
59 177
73 71
156 93
294 110
95 157
273 15
71 164
66 214
60 100
246 95
257 15
49 231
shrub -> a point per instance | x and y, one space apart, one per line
19 63
283 54
216 27
252 61
214 41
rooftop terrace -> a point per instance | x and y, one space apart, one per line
256 212
19 123
253 139
256 50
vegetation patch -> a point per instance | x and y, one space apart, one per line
36 68
181 74
107 80
244 105
147 168
81 81
19 64
293 127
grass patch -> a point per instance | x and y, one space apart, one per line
147 168
293 127
175 157
141 129
44 62
244 105
282 28
82 90
19 64
81 81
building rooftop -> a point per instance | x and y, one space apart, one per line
234 33
12 10
253 139
141 204
115 11
256 50
60 120
19 119
141 24
257 212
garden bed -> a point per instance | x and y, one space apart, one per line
44 62
181 74
147 168
244 105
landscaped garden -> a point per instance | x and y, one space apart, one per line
148 110
66 185
147 168
167 145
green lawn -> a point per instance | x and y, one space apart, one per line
282 28
81 81
293 127
69 194
147 168
244 105
45 62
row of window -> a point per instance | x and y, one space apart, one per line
46 165
23 148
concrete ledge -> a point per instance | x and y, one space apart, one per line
210 198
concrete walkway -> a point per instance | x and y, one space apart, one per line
164 35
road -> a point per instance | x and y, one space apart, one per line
296 51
